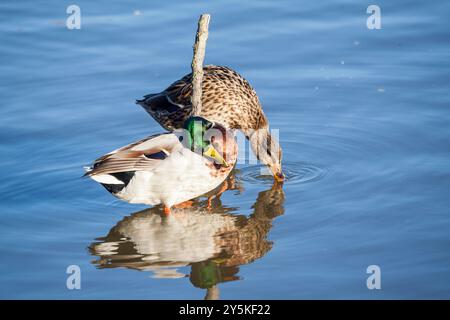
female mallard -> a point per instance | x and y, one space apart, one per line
227 98
169 168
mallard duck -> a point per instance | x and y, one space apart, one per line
169 168
228 99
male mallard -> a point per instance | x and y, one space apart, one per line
227 98
169 168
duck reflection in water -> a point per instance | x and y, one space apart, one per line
207 236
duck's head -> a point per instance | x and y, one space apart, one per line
267 150
201 136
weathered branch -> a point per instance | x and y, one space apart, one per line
197 63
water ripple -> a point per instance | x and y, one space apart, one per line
296 173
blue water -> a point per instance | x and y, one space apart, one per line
364 124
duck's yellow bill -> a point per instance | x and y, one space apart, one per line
212 153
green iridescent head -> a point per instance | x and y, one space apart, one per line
196 128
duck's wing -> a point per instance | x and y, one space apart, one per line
227 98
171 107
138 156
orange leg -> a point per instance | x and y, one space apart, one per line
209 206
225 186
186 204
166 211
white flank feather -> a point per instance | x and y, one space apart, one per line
106 179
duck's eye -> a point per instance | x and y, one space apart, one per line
180 138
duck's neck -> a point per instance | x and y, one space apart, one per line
258 140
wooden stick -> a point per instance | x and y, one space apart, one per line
197 63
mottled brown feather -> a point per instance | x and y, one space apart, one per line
227 99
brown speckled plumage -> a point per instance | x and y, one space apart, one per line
227 99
